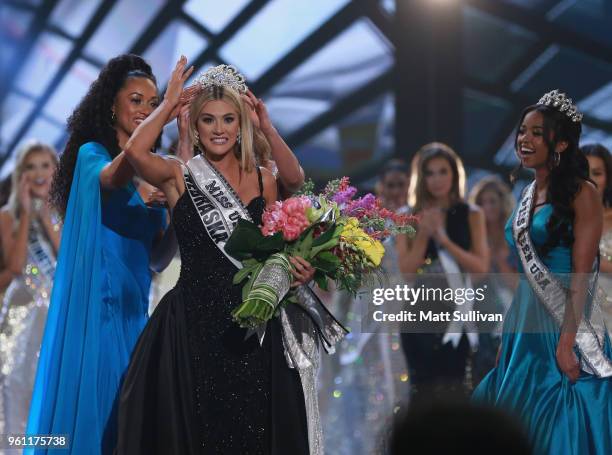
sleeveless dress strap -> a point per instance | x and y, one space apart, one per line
259 177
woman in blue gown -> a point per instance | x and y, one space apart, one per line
100 296
554 369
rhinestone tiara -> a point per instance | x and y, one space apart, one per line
222 76
559 101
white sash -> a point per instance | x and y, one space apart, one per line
456 280
217 204
551 292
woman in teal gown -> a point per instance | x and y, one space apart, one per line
100 296
552 377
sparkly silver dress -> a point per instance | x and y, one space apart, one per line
23 313
362 387
605 279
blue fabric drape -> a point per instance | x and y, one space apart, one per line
98 308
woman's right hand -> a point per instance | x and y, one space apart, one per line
430 221
24 196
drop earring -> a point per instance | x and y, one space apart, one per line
239 138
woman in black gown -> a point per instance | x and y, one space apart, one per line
450 243
195 384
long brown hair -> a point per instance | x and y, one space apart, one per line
418 195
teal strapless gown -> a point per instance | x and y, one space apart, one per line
562 418
98 309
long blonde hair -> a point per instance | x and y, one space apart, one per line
418 195
245 151
494 183
29 148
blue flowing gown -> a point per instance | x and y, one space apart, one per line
562 418
98 308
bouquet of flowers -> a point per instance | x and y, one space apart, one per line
339 235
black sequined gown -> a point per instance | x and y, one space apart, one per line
194 384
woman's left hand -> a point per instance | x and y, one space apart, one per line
258 112
568 362
302 271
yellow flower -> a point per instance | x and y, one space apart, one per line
373 249
356 236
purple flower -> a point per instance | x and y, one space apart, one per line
344 196
362 205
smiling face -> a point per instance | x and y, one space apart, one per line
438 178
531 146
133 103
38 169
218 124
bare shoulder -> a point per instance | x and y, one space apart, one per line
474 209
587 196
475 214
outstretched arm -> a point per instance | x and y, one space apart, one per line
117 173
154 169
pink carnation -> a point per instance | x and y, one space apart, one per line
288 217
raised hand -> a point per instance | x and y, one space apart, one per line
174 89
430 221
258 112
24 195
189 94
182 121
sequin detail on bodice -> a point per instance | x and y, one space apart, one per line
223 362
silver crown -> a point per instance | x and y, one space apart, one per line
222 76
562 103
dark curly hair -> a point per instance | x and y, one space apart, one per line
92 120
564 179
603 153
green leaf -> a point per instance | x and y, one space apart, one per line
331 237
247 242
328 267
248 266
325 236
321 280
304 246
329 257
249 284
